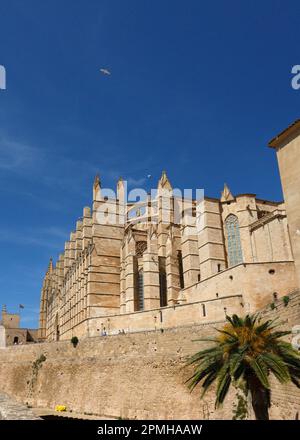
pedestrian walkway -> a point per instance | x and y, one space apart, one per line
10 409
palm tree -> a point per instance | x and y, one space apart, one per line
248 351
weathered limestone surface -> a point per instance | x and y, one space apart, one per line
132 376
287 146
12 410
137 375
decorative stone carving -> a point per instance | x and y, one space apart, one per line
140 248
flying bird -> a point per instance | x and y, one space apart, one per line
105 71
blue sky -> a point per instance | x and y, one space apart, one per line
197 88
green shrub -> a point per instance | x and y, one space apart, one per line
74 341
272 305
38 363
36 366
286 300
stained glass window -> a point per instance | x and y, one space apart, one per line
234 247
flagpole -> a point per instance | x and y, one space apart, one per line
20 308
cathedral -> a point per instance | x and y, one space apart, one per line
167 261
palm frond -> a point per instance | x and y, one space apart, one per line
200 355
278 334
210 378
295 381
224 380
260 371
262 327
234 363
245 349
277 366
207 339
230 335
235 321
202 372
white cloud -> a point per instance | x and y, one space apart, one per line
51 237
16 155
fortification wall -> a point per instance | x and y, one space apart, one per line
255 281
138 375
132 376
234 290
199 312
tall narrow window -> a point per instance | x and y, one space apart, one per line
234 247
138 285
56 328
180 267
140 290
162 281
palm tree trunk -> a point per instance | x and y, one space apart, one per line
260 398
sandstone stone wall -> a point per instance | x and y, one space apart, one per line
199 312
256 282
245 287
132 376
286 398
137 375
2 336
287 147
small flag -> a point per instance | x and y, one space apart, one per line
21 306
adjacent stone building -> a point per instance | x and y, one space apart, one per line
11 333
165 261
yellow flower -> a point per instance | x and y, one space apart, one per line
60 408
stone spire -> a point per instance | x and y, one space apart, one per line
164 182
97 181
226 195
97 188
120 183
50 265
121 190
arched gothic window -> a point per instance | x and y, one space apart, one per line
162 282
140 248
180 267
234 247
